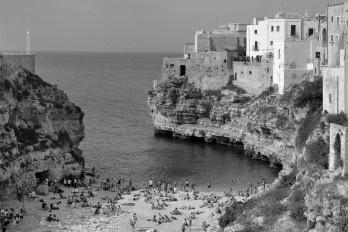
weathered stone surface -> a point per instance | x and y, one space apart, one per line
38 126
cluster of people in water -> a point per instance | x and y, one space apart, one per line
10 216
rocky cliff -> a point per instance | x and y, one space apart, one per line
40 131
289 130
265 126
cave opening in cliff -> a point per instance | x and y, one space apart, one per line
337 147
41 176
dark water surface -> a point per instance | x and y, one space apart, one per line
111 88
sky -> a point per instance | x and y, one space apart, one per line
128 25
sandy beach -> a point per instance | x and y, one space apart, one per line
84 218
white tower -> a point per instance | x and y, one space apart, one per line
28 42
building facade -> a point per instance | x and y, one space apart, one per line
335 73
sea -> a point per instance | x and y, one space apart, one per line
111 88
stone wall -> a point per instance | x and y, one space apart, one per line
202 42
25 61
205 70
338 158
228 42
206 41
189 48
254 77
291 61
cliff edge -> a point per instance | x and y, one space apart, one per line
289 130
40 131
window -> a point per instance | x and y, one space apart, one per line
250 72
267 70
235 76
332 19
278 28
225 61
317 55
332 38
330 98
338 21
272 28
255 32
310 31
182 70
271 43
293 30
279 54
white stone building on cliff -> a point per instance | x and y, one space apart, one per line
335 81
293 42
207 63
335 72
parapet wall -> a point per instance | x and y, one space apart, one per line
26 61
253 77
205 70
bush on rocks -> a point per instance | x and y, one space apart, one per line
231 214
340 119
316 152
42 190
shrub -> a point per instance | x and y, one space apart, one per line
307 126
296 204
231 214
316 152
340 119
267 92
310 95
174 95
281 121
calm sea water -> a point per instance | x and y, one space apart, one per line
112 90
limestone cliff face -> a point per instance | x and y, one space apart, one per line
290 130
265 126
40 130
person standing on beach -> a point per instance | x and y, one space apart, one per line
133 220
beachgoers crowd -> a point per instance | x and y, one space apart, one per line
157 194
10 216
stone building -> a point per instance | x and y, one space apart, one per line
335 72
292 40
253 76
210 70
230 37
207 63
